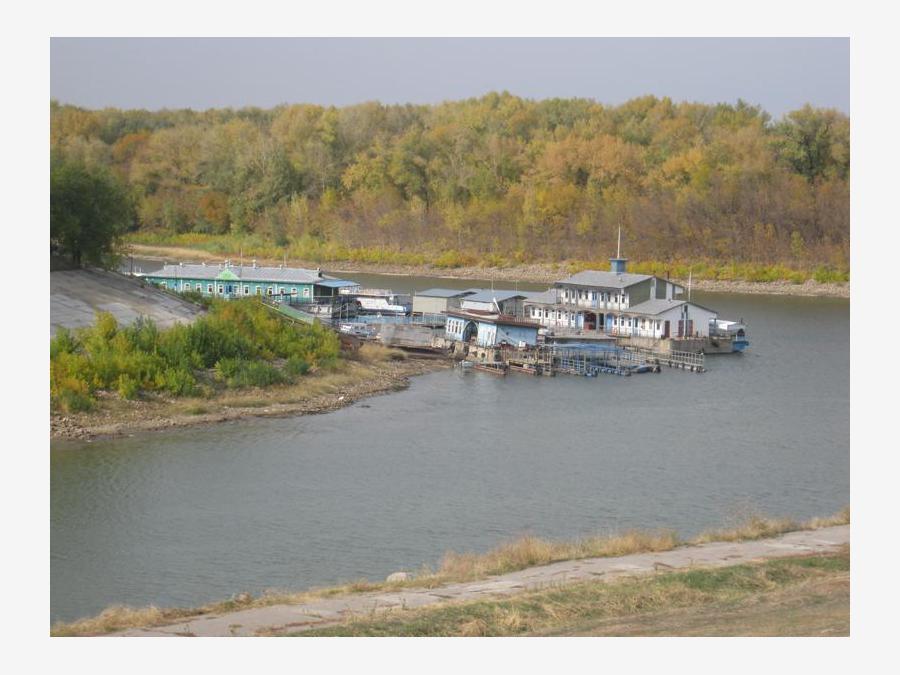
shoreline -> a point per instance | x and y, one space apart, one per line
532 273
356 382
631 555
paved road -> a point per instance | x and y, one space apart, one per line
326 611
76 295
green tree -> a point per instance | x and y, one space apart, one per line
89 210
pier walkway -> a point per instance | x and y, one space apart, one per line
330 610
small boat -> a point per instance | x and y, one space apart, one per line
382 301
728 336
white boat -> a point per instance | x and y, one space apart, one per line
383 301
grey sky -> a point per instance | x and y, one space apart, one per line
780 74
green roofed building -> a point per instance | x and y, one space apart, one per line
291 284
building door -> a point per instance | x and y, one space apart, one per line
666 329
470 331
590 321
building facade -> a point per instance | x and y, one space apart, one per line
490 330
227 281
438 300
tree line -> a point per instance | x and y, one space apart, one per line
492 178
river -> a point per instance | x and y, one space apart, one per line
457 461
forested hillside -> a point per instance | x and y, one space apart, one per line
493 180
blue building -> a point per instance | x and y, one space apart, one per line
489 329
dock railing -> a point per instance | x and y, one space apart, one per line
693 361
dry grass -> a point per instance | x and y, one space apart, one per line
114 618
372 352
530 551
527 551
755 525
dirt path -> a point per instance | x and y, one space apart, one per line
328 611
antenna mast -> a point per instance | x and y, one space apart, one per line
690 278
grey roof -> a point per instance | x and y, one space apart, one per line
336 283
445 292
489 296
296 275
548 297
655 306
603 279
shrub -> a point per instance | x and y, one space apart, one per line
128 387
71 395
239 373
296 367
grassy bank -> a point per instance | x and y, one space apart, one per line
236 345
793 596
519 554
315 252
373 370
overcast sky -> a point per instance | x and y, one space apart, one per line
780 74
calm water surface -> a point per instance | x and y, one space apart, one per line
458 461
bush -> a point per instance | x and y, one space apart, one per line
71 395
238 373
296 367
128 387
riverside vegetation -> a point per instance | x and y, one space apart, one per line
496 181
585 601
235 345
239 360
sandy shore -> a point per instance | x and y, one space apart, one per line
533 273
313 394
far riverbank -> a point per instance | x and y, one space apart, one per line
534 273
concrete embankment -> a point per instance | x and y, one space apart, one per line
76 296
325 611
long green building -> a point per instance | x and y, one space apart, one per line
288 284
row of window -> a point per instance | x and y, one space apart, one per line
455 326
236 289
571 295
636 323
631 322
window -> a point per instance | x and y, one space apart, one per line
269 290
258 289
198 287
293 291
221 289
209 288
281 290
306 292
246 290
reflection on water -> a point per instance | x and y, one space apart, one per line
458 461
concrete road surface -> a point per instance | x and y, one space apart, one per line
76 295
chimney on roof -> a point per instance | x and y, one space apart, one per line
254 262
319 272
617 264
